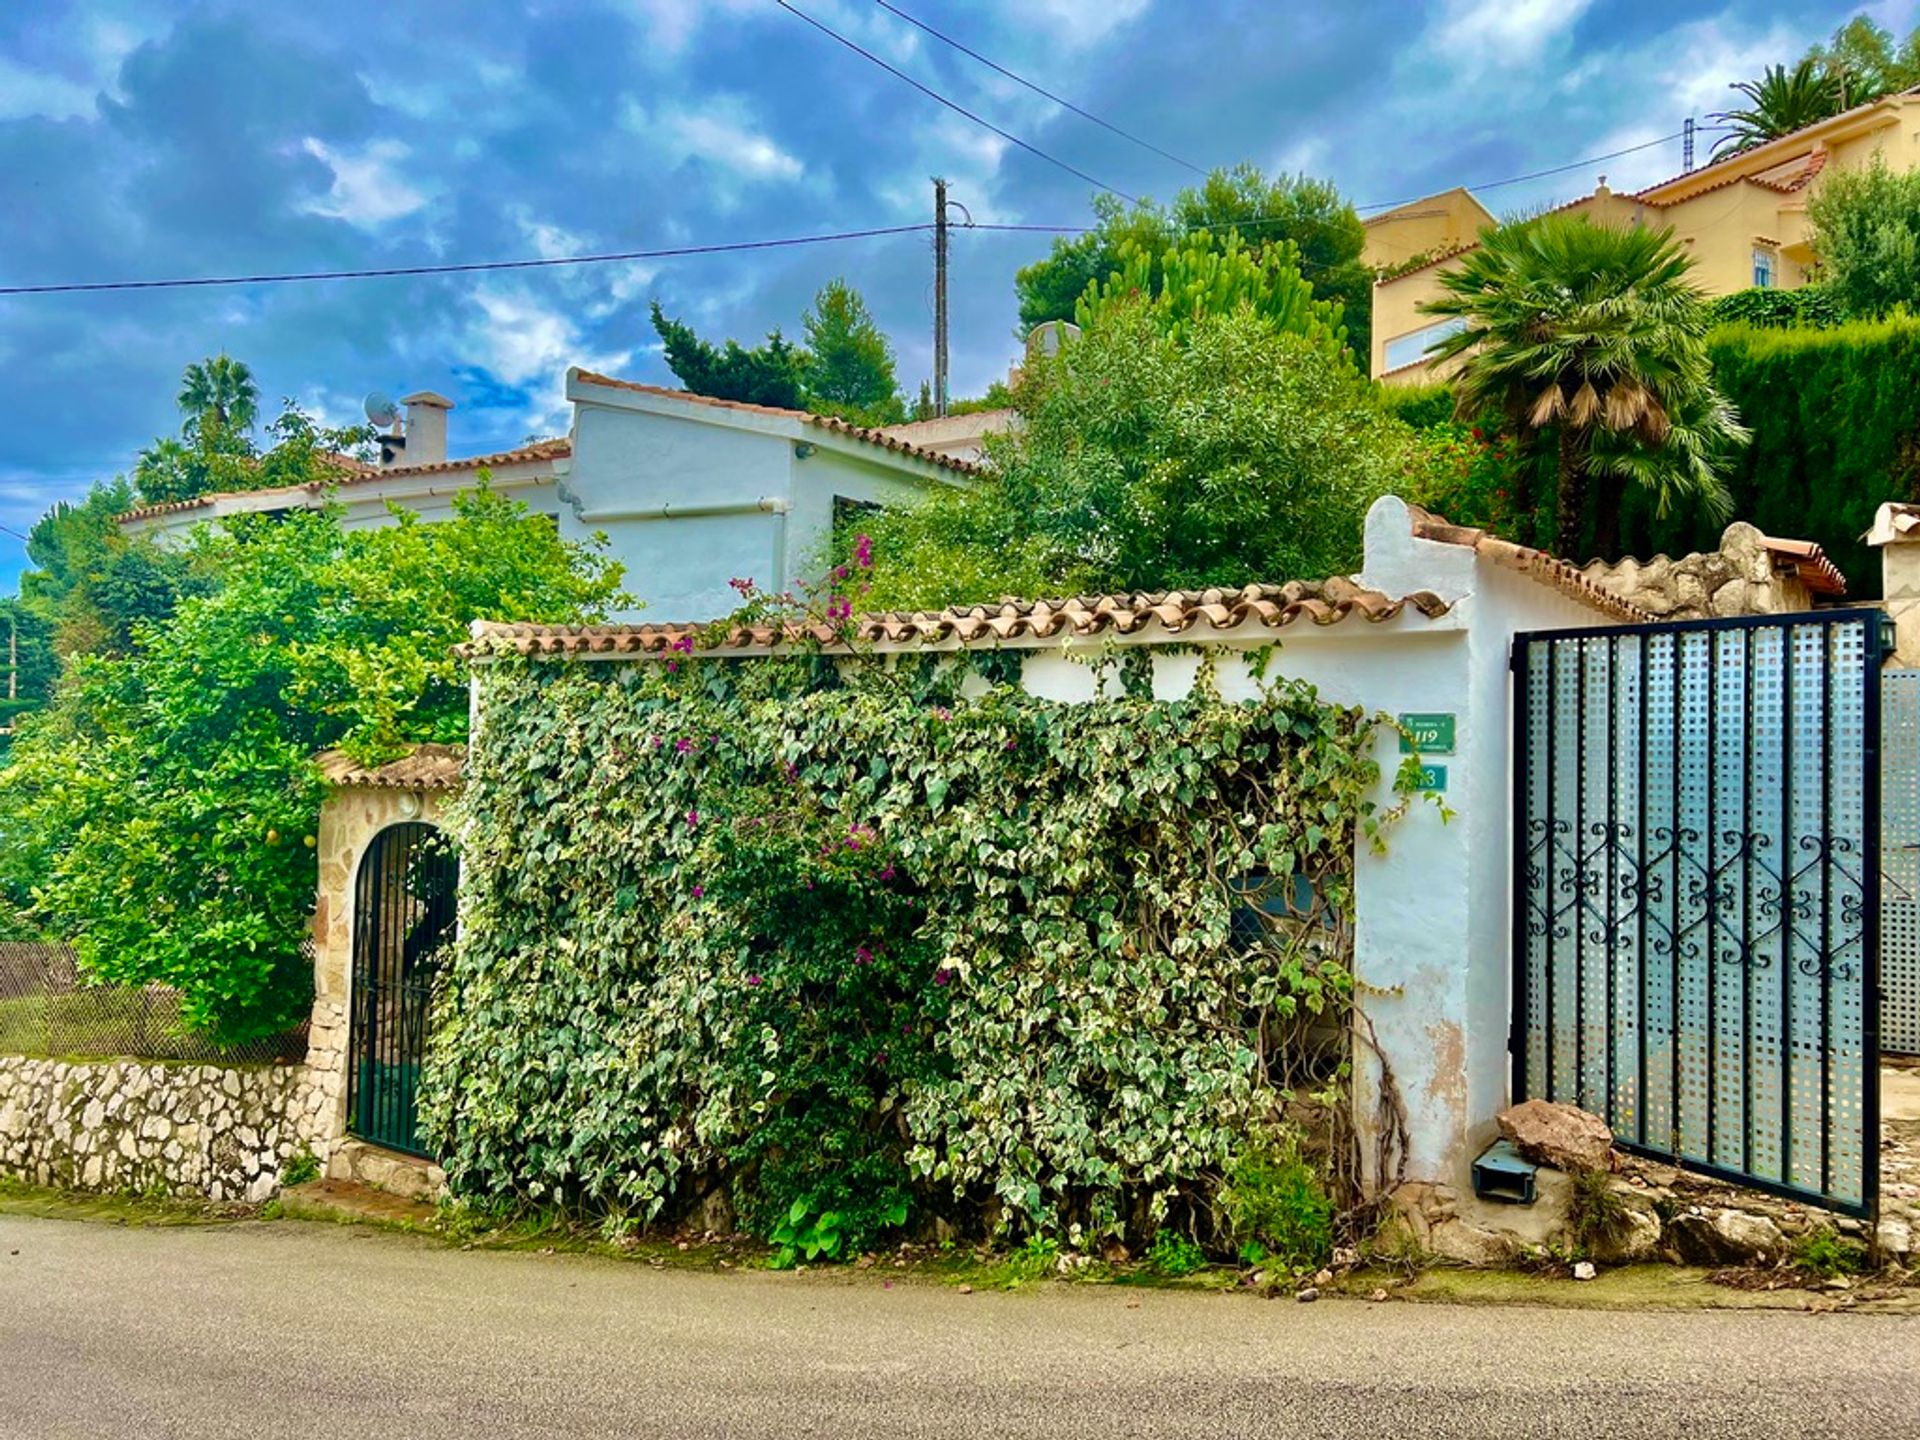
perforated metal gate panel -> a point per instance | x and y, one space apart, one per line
1900 862
1697 881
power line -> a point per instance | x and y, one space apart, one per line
9 530
1037 89
471 267
1538 174
954 106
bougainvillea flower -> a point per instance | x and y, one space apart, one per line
863 552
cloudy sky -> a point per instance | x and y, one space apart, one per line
150 138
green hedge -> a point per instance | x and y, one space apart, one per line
1835 415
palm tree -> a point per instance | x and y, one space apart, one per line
1595 335
1780 102
222 387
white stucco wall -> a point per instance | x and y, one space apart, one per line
691 496
1432 941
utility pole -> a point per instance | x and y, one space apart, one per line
939 296
1687 148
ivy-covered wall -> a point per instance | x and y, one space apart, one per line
859 952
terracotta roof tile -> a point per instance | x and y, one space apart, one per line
353 472
1812 564
831 423
1537 564
425 767
1174 612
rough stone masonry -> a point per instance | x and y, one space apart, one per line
222 1132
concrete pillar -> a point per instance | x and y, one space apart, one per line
1896 535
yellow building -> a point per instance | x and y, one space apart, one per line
1744 219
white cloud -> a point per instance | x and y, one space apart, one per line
1079 23
718 134
1480 36
525 343
366 189
672 24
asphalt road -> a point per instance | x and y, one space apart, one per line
311 1331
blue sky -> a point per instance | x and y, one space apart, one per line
142 140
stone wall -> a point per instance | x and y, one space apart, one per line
221 1132
1743 577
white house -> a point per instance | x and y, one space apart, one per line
690 492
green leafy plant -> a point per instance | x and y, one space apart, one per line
1038 1258
812 1234
1827 1253
1274 1208
302 1166
1175 1256
865 948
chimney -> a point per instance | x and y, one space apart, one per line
426 428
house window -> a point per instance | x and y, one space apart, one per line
1411 348
1763 269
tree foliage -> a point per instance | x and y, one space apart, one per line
1595 337
859 950
1865 63
1865 226
161 813
849 370
1205 276
1237 453
1778 103
1323 228
770 374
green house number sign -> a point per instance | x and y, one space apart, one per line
1434 778
1428 734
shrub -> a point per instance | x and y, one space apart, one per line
1768 306
1826 1253
1595 1210
844 938
1274 1207
1175 1256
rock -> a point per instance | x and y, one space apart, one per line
716 1211
1323 1279
1468 1244
966 1289
1583 1270
1377 1296
1307 1296
1634 1238
1725 1237
1562 1136
1896 1239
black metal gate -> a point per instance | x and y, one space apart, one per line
1697 874
404 902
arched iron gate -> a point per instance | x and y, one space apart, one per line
404 905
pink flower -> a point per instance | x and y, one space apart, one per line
862 955
753 979
672 665
1012 744
943 712
839 609
684 645
698 891
942 976
886 874
683 745
693 819
655 741
839 572
863 551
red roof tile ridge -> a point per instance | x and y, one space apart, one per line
356 472
1324 602
1548 569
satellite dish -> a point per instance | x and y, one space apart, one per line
381 410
